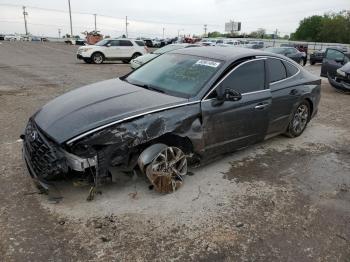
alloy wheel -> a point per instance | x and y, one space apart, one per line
300 119
98 58
166 171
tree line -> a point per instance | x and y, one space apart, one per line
331 28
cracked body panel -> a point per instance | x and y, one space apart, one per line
125 139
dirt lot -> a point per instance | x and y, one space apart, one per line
281 200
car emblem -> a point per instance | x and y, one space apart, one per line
33 136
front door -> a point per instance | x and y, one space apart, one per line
332 60
235 124
113 49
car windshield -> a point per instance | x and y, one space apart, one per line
102 42
276 50
167 48
175 74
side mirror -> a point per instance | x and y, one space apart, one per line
232 95
228 95
108 45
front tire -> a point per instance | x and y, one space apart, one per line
299 121
97 58
167 169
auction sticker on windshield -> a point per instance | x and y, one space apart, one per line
207 63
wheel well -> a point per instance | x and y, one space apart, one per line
97 52
184 143
136 53
308 100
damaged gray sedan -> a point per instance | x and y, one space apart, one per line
182 108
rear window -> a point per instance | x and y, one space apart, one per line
277 71
291 70
140 43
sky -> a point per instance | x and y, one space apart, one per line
149 18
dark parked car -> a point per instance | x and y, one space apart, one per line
148 42
300 47
289 52
255 45
336 67
185 106
318 55
2 37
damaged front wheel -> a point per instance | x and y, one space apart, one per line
167 169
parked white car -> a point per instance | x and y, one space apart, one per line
12 37
112 49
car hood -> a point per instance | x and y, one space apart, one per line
346 68
95 105
147 57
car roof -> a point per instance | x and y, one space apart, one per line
222 53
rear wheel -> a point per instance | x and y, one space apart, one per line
97 58
299 120
312 62
135 55
167 170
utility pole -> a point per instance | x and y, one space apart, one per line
178 32
205 30
59 33
126 26
163 32
95 22
25 19
70 18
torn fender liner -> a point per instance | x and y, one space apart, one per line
149 154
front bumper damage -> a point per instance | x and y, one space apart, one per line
44 160
341 82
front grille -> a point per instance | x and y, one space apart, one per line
44 158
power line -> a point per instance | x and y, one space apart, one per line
114 17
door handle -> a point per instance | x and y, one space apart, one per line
261 106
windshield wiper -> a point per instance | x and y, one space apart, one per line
149 87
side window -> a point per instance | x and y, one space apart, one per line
114 43
140 43
291 69
277 71
125 43
246 78
333 54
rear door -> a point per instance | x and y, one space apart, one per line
284 91
236 124
332 60
127 48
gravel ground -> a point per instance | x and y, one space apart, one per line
280 200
